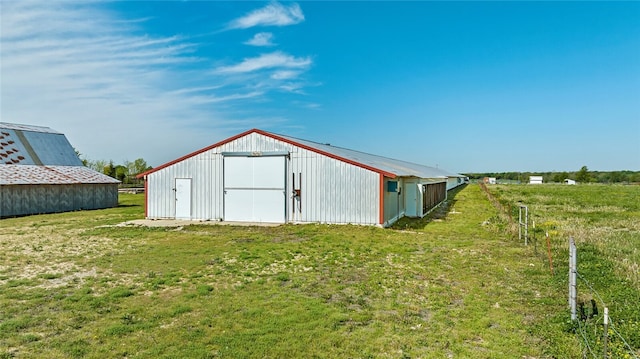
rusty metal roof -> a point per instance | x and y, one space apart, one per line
34 174
35 145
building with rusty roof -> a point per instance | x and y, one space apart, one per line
40 172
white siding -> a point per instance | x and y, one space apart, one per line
332 191
205 171
393 202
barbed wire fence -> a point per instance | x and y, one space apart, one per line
598 336
597 333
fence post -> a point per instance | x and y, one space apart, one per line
606 331
535 240
573 264
549 252
526 225
520 222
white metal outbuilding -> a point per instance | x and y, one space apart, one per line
257 176
535 179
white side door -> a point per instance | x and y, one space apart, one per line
183 198
411 198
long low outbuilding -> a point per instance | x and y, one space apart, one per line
258 176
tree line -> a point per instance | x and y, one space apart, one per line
125 172
584 175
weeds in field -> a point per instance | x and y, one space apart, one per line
605 222
448 285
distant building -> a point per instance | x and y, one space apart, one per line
569 181
40 172
535 179
489 180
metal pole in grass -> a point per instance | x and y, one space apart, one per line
520 222
549 252
573 264
526 225
606 331
535 240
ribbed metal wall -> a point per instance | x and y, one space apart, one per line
19 200
452 182
205 171
332 191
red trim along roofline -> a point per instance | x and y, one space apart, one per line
146 199
276 137
193 154
381 205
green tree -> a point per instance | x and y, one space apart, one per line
618 176
121 173
97 165
559 177
583 175
136 167
109 170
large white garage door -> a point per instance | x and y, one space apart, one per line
254 189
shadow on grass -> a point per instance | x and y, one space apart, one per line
437 214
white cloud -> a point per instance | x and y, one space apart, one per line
274 14
261 39
295 87
275 59
117 95
285 75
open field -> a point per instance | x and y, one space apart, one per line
455 285
604 220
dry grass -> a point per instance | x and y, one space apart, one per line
449 285
604 220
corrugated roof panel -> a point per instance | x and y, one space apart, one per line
52 149
34 174
398 167
34 145
21 127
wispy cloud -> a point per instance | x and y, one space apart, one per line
115 92
277 59
274 14
261 39
285 74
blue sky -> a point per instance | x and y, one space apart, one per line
465 86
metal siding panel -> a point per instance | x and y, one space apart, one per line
66 198
205 170
335 191
35 199
332 191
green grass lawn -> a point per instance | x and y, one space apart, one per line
453 285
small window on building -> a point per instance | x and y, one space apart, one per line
392 186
